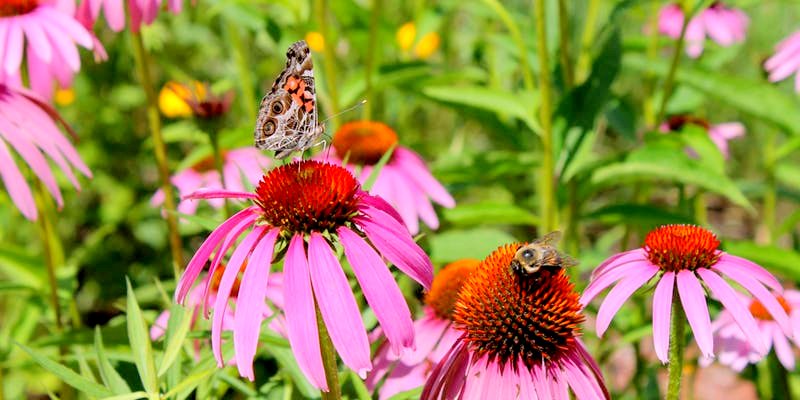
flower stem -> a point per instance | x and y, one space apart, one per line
369 65
587 39
154 121
669 82
243 69
677 324
547 189
213 137
567 67
329 65
516 36
52 248
328 360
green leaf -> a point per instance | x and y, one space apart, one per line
700 142
376 169
128 396
644 215
788 174
67 375
108 374
176 334
780 260
474 243
655 162
361 391
485 213
140 343
760 99
286 359
201 372
518 105
408 394
18 266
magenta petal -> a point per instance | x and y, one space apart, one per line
617 260
301 318
338 306
218 194
662 310
381 204
380 289
729 262
752 282
693 300
620 293
238 258
428 331
14 46
250 303
398 247
15 183
783 349
731 301
614 273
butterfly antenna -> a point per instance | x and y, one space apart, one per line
361 103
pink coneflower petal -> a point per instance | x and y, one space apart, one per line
729 263
747 281
15 184
226 285
33 158
433 328
693 300
610 276
783 349
339 309
38 41
620 293
662 311
250 303
381 204
380 289
414 167
14 45
618 259
301 318
218 194
730 300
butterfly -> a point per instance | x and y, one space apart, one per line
287 117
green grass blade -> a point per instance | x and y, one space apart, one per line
140 344
176 334
378 167
67 375
108 374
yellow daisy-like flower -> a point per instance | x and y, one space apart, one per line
171 98
406 35
64 97
427 45
315 41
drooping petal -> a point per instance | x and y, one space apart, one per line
728 263
752 283
662 311
381 204
338 306
613 274
301 318
428 330
693 300
380 289
15 183
218 194
250 303
618 260
620 293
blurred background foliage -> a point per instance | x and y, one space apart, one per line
454 79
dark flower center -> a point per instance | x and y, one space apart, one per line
363 142
445 287
11 8
207 163
307 196
677 122
760 312
681 247
508 317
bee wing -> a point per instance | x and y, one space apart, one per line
550 239
567 261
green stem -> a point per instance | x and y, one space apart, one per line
160 149
328 360
587 39
219 161
677 324
516 36
669 82
563 28
770 196
243 69
374 20
329 65
700 213
49 240
652 54
779 378
547 173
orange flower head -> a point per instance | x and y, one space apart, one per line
681 247
760 312
216 278
446 284
365 141
10 8
508 317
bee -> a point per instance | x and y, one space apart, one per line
541 253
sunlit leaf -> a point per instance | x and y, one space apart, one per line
489 213
779 260
477 243
140 343
108 374
518 105
69 376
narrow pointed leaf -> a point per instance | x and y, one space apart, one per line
176 334
108 374
67 375
140 343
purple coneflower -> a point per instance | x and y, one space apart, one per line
309 209
433 332
241 168
46 35
682 259
736 351
785 61
27 125
405 182
141 11
723 24
720 134
520 338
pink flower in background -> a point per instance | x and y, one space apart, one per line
735 351
141 11
688 256
433 332
27 125
405 182
47 36
242 169
785 61
720 134
305 207
724 25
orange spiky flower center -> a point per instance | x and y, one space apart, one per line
308 196
446 284
681 247
11 8
760 312
216 278
364 142
509 317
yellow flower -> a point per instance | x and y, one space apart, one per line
172 98
406 35
427 45
315 41
64 97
